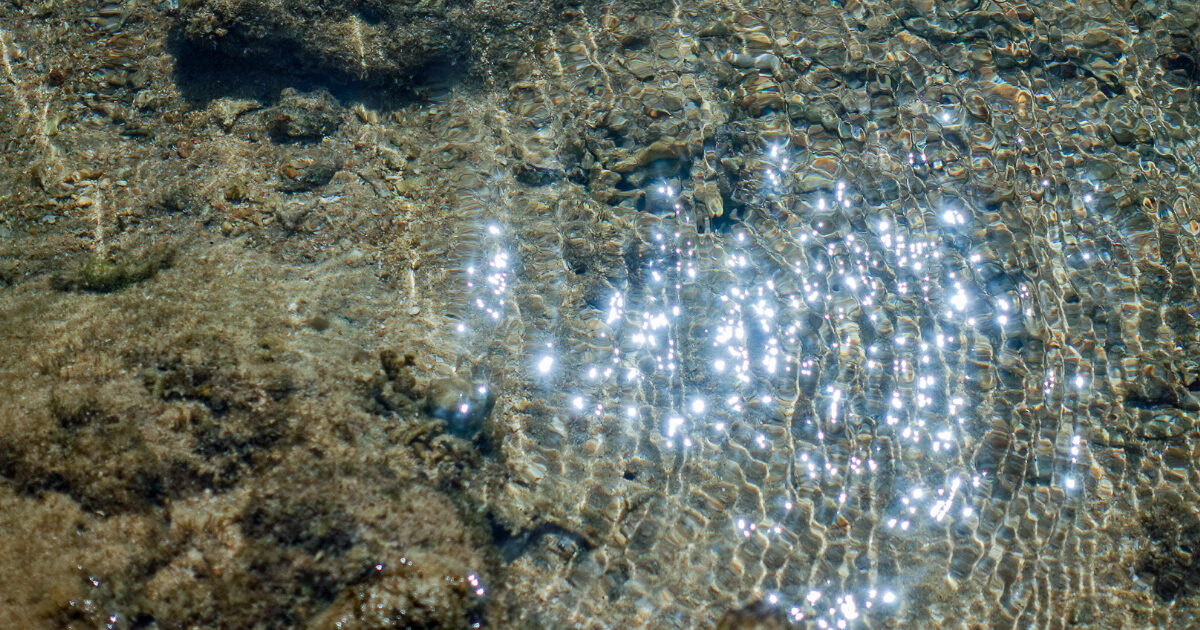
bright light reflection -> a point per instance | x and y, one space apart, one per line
827 321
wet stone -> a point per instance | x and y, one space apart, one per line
533 175
306 173
301 117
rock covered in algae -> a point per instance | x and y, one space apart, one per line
375 41
758 615
170 437
105 274
303 117
425 590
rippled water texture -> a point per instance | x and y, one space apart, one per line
874 311
850 314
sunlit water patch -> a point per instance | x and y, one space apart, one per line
839 341
818 384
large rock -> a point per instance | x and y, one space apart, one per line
373 41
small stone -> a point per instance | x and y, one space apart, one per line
767 61
305 174
462 405
319 323
227 110
303 117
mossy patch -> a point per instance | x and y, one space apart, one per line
99 274
1171 559
90 450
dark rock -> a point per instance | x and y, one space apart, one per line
532 175
303 117
1172 532
105 275
369 41
305 174
758 615
462 405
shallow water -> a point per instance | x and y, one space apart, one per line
875 314
900 382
